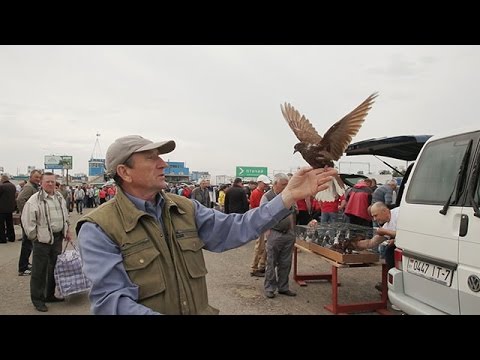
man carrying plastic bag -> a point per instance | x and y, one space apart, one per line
45 222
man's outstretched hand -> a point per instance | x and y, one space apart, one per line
307 182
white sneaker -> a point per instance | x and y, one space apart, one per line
396 308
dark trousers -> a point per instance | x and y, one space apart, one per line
317 215
25 253
390 256
42 281
303 217
6 227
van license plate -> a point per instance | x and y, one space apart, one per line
429 271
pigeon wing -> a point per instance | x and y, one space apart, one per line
339 136
300 125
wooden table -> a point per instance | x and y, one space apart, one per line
332 277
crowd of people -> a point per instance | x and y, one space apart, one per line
353 205
43 205
142 251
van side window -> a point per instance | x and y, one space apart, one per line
434 178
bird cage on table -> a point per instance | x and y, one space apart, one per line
334 241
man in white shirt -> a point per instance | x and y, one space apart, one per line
388 218
386 234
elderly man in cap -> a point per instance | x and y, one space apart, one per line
143 249
280 242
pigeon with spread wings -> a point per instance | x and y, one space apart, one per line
320 152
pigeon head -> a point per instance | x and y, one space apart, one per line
299 147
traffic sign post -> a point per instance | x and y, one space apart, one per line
250 171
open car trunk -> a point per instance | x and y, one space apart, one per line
405 147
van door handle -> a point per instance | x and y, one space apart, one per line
463 226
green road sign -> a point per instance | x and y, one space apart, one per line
249 171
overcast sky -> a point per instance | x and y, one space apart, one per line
221 104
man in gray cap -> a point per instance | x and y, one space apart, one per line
143 249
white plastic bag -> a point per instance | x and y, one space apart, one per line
68 273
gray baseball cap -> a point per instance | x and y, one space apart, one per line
123 147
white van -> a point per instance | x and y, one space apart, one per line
437 260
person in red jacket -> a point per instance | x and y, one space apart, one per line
359 199
187 192
102 195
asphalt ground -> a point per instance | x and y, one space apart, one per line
231 288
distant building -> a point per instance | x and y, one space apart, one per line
176 172
224 179
79 178
199 175
96 167
19 178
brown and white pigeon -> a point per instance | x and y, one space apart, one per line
320 152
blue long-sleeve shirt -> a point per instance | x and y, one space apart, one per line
112 290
